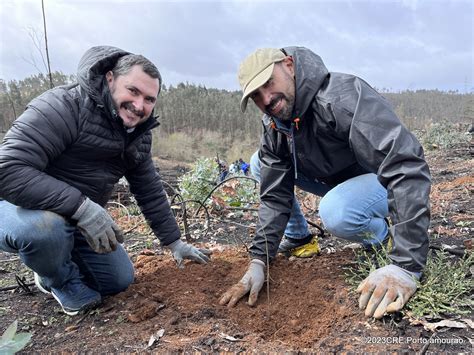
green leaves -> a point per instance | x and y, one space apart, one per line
197 183
444 135
11 342
445 288
204 176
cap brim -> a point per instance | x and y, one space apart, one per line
254 84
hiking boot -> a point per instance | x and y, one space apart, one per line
39 283
74 297
300 248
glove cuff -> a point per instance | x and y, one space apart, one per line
84 205
175 245
416 275
257 262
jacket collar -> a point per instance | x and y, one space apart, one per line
310 74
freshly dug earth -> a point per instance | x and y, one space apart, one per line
308 307
307 299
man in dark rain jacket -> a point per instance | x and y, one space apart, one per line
58 165
335 136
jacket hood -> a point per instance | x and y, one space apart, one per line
93 66
310 74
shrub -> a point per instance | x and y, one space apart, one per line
203 177
200 180
444 135
445 288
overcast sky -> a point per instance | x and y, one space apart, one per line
397 44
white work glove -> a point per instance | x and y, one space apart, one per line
182 250
98 227
386 290
252 281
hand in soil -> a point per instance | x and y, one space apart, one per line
252 281
386 290
182 250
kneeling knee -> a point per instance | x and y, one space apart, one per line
335 220
123 279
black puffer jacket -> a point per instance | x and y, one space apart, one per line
345 129
69 143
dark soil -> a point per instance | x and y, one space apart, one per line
309 306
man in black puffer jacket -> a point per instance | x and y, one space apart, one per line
334 136
58 165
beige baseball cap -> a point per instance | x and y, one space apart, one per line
255 71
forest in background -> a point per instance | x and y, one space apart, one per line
198 121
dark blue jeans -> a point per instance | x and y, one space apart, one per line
53 248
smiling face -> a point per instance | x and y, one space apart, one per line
276 97
134 95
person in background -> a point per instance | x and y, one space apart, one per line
233 168
58 165
244 167
223 172
333 135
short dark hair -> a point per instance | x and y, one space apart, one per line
124 65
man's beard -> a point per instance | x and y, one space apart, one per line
286 112
129 106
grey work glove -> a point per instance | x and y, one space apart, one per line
252 281
386 290
98 227
182 250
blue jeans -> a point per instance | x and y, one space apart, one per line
53 248
353 210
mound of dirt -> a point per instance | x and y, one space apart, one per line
307 299
308 307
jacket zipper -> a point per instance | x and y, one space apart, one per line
126 137
294 148
290 135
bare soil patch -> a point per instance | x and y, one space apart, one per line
309 307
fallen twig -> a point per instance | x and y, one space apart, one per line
459 251
242 209
184 212
426 346
9 288
23 284
83 317
232 222
208 216
321 230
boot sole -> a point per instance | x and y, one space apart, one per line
74 312
38 284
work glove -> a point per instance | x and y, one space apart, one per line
386 290
182 250
252 281
98 227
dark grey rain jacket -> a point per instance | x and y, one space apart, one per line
345 129
69 143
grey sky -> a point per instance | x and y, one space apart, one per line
394 44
